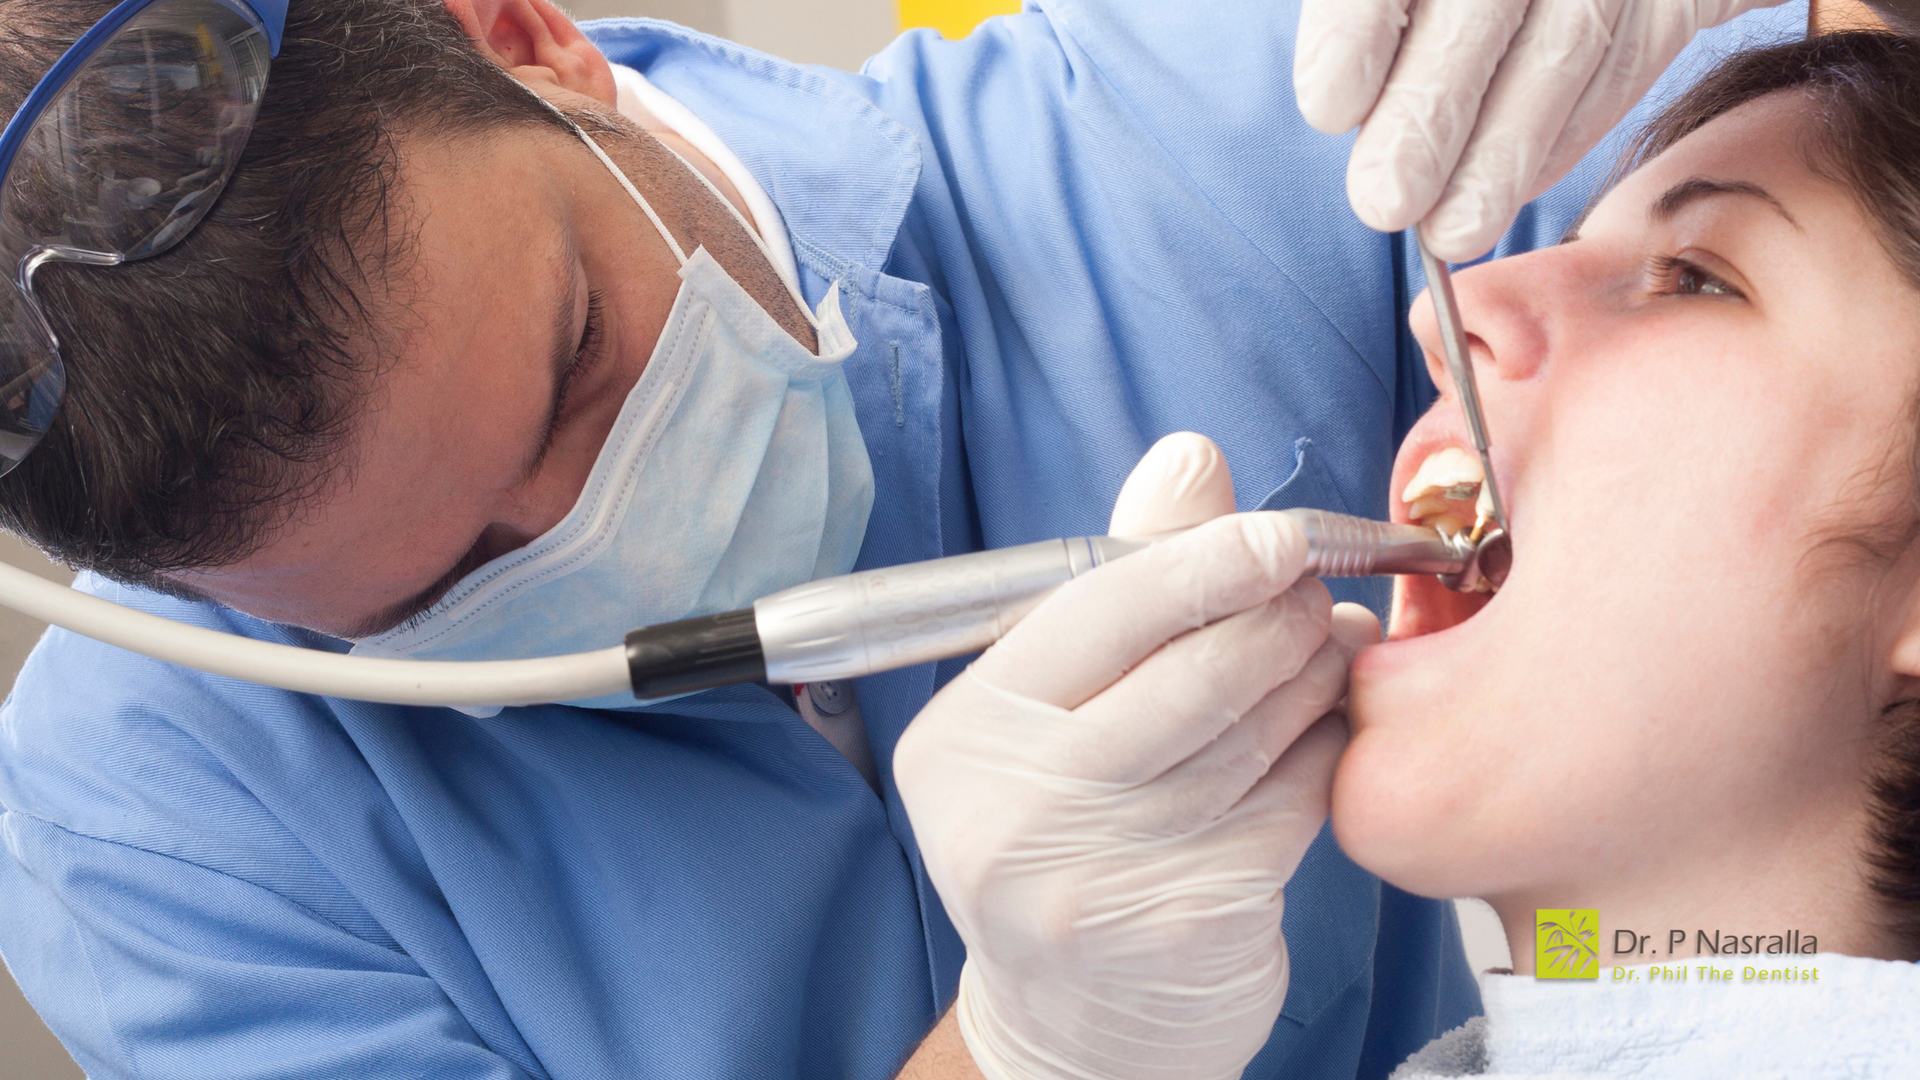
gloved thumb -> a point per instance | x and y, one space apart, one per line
1180 482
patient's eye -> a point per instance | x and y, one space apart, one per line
1675 276
1692 279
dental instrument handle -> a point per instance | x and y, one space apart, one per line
1453 343
858 624
897 616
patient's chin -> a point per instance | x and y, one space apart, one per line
1395 821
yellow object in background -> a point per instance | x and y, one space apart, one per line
954 19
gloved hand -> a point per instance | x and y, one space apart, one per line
1474 107
1110 799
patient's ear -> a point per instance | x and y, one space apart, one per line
538 44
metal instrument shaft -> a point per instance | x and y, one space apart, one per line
1453 341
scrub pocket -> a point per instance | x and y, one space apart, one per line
1311 487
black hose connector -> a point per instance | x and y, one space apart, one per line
695 654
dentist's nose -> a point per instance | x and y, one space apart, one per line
526 513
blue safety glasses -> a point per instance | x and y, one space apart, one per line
119 151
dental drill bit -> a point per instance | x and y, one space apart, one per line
1453 342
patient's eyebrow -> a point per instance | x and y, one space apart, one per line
1695 188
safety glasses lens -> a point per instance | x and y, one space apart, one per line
136 147
32 380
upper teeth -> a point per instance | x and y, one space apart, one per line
1451 471
1446 478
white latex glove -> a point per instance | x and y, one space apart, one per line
1471 108
1110 800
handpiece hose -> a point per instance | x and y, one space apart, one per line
834 628
878 620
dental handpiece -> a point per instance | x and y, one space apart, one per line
897 616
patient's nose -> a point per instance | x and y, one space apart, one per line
1502 312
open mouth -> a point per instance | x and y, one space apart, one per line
1447 493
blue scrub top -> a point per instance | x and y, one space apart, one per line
1081 228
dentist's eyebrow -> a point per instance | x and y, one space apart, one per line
1694 188
393 615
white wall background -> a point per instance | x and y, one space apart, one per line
839 33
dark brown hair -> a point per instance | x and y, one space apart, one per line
209 388
1865 90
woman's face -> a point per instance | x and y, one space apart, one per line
1692 406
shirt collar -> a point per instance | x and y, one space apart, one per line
840 170
638 97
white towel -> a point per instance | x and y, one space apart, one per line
1860 1020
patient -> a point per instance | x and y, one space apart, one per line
1695 704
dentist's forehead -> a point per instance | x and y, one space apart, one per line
450 420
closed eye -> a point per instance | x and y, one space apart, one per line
569 368
585 354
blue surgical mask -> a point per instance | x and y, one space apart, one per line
735 469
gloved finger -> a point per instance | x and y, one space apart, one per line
1409 144
1355 626
1645 41
1289 804
1208 784
1198 685
1180 482
1088 634
1341 56
1547 67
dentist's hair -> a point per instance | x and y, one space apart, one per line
209 390
1865 87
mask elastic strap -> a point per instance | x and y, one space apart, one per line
658 225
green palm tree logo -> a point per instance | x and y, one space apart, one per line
1566 943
